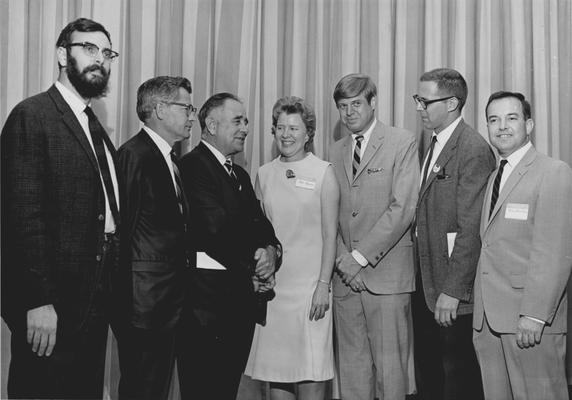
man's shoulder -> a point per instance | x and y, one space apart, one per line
397 134
136 144
470 137
34 104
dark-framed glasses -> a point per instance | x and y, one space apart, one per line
189 108
424 102
92 50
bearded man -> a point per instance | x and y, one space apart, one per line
59 222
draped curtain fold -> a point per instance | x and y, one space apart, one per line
264 49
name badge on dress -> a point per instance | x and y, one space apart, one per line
516 211
306 183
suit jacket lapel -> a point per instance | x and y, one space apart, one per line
519 171
221 170
72 123
373 145
447 152
347 154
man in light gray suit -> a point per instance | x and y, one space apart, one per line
378 172
520 288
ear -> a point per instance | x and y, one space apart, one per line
62 56
453 104
160 111
529 126
210 122
373 102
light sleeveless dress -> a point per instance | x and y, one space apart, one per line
291 348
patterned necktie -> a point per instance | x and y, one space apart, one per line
178 183
96 131
357 154
230 169
428 159
496 187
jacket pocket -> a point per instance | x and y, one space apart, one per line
517 280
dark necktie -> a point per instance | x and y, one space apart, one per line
178 183
96 131
230 169
428 159
357 154
496 187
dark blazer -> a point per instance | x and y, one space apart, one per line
450 201
154 257
226 223
53 213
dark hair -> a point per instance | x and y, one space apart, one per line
353 85
215 101
295 105
80 25
449 82
526 109
158 89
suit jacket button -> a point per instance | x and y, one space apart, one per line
355 213
100 217
98 257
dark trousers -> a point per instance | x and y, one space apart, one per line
446 366
215 353
146 360
75 369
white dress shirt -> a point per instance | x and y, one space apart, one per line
78 107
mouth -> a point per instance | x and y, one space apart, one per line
504 135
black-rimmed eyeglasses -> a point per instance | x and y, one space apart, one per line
424 102
189 108
92 50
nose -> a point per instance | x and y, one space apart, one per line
349 110
502 124
418 106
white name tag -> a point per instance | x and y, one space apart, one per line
305 183
516 211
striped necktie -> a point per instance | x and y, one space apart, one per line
178 183
357 154
230 169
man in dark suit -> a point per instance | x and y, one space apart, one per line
455 164
59 224
520 287
154 228
237 253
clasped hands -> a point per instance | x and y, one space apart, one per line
349 270
263 278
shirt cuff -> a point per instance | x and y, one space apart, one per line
535 319
361 260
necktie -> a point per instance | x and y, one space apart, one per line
357 154
428 159
178 183
230 169
496 187
96 131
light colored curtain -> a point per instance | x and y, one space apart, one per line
265 49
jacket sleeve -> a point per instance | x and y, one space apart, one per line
28 259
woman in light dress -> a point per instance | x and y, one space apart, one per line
300 196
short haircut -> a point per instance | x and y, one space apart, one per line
526 109
215 101
449 83
353 85
80 25
156 90
295 105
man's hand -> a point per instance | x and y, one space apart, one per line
528 332
265 262
357 284
347 267
42 326
446 310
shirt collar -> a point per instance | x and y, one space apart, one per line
76 104
219 156
516 156
161 143
445 134
367 133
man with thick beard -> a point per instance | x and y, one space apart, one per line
59 222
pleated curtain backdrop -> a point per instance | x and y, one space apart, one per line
264 49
